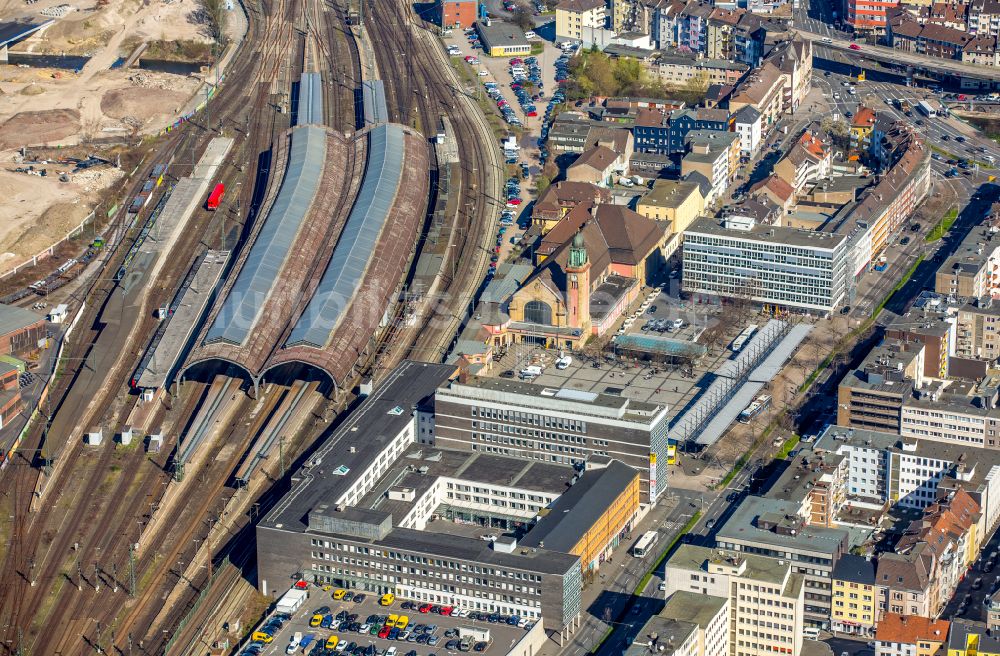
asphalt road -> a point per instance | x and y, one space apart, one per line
640 609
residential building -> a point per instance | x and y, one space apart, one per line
683 121
679 70
721 35
793 58
862 128
776 190
692 26
597 166
748 124
763 89
967 638
744 263
775 529
749 36
888 205
715 155
485 415
982 51
651 131
984 18
676 202
458 13
910 635
663 26
868 15
766 597
817 480
501 39
807 161
371 528
973 269
578 20
915 473
872 396
978 331
570 130
935 330
856 597
560 198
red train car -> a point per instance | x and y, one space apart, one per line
215 197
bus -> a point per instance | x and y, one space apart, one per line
757 406
742 338
672 458
644 544
926 109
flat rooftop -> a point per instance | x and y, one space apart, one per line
770 234
184 321
742 527
14 319
421 465
357 442
981 460
692 607
592 404
577 510
694 558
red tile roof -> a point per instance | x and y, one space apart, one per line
907 629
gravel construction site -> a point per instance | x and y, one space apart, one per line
95 106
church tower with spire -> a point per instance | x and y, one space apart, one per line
578 285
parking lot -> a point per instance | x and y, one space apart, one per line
361 628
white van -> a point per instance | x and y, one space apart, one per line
810 633
531 371
564 362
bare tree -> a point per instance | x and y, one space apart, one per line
216 15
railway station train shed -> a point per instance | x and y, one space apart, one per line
295 301
20 330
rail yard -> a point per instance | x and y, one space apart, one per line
113 542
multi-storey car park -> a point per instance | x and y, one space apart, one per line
376 509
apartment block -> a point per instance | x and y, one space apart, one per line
978 331
872 396
766 597
580 20
973 270
856 597
507 417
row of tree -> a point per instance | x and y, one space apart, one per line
593 73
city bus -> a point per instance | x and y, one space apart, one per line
672 453
644 544
927 109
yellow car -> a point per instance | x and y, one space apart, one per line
327 588
316 619
338 594
402 622
387 599
391 621
331 642
260 636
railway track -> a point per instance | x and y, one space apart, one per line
437 92
80 538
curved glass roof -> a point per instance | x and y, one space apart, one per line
243 305
358 240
